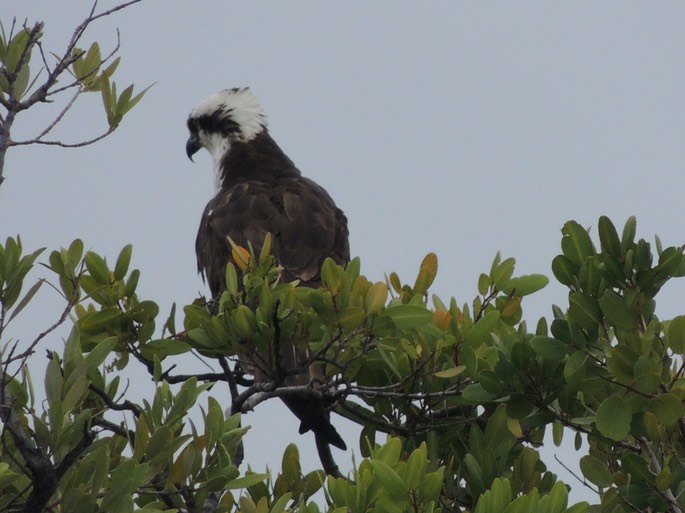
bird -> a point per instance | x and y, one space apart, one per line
260 191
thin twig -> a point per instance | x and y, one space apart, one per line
232 386
54 123
656 468
29 351
63 144
582 481
124 406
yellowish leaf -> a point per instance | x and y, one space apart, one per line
442 318
241 257
450 373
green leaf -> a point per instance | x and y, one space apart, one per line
25 300
100 352
416 467
675 334
167 347
483 284
123 261
564 270
628 235
231 279
481 331
573 370
290 464
409 316
502 273
133 101
351 317
21 83
280 505
643 255
452 372
613 418
527 284
549 348
376 297
395 282
53 381
390 451
576 243
475 393
617 311
608 237
15 50
670 261
556 499
664 479
668 408
557 433
243 322
123 99
389 479
595 471
246 481
132 283
75 253
580 507
97 267
75 394
94 322
331 275
584 310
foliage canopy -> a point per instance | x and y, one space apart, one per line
465 392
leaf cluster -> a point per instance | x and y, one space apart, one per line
464 391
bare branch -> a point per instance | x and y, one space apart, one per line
73 455
355 412
125 406
38 463
232 385
583 481
29 351
52 125
63 144
114 428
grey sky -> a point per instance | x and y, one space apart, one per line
462 128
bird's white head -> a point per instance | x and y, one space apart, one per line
232 114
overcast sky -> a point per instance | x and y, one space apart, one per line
462 128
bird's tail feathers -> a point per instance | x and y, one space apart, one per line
314 417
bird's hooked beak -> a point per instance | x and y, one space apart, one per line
192 146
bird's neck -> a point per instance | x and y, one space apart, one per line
257 159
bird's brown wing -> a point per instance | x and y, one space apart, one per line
305 225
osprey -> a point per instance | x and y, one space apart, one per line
259 191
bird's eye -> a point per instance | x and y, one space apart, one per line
192 124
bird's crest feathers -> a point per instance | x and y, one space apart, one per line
235 113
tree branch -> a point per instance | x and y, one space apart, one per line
656 468
43 474
125 406
12 101
61 144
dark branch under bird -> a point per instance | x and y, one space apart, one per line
259 191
